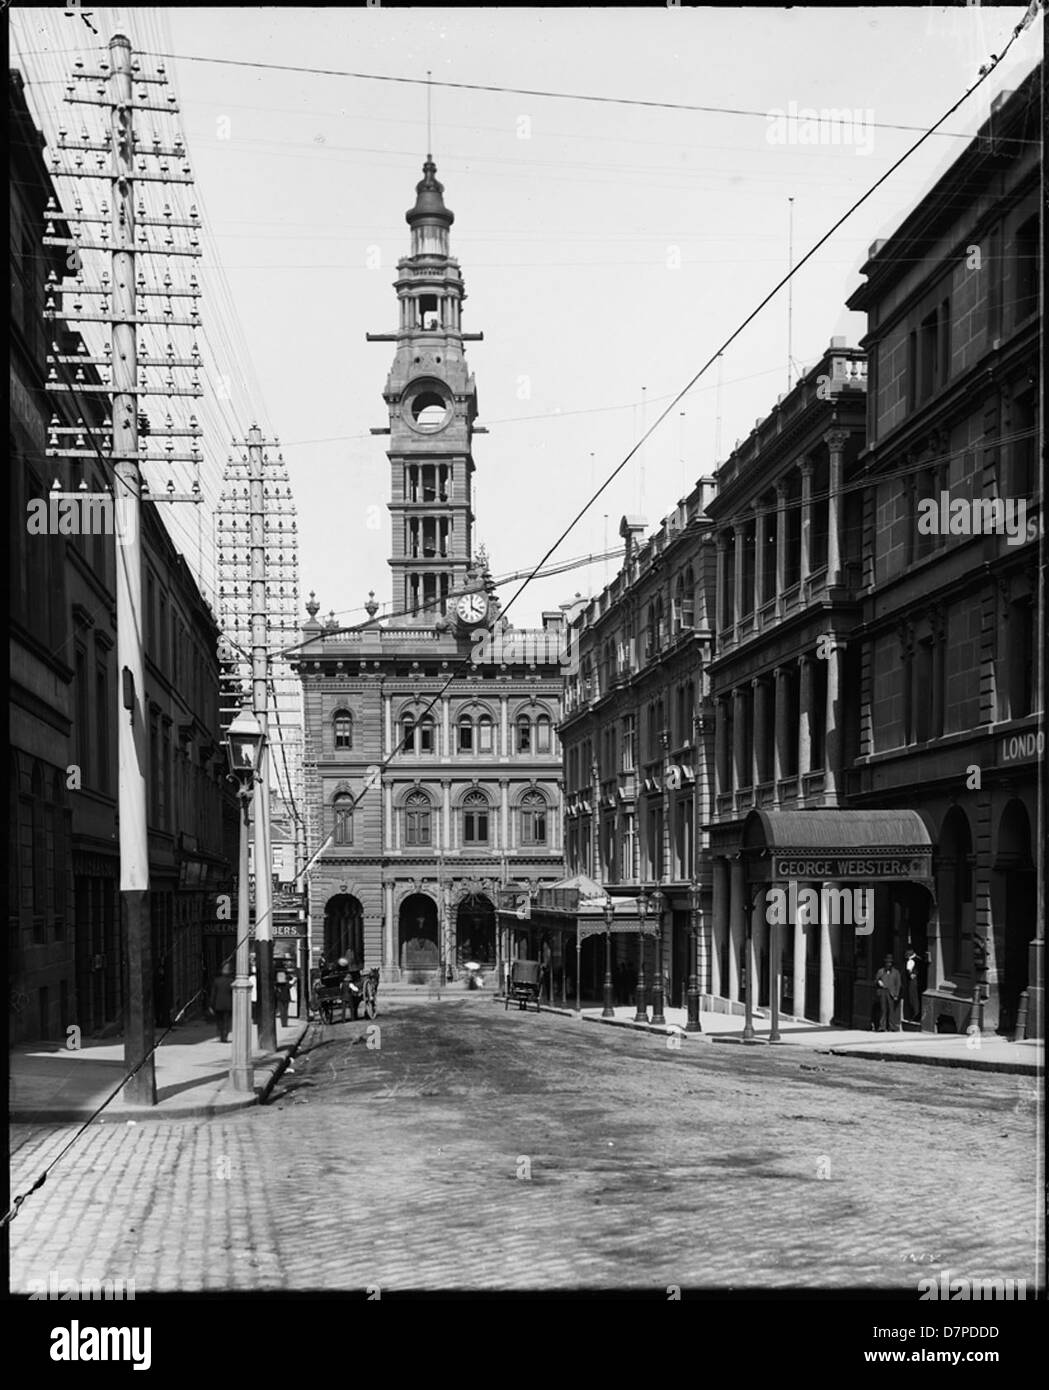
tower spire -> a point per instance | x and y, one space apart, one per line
429 138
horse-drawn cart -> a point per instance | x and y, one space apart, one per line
523 983
351 990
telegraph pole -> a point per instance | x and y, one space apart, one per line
260 700
121 89
131 740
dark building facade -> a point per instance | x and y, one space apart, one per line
433 770
788 563
638 749
868 664
66 955
951 713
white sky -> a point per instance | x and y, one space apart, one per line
563 237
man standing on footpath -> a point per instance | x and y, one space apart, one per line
221 1000
888 984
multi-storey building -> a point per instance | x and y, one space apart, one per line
788 562
433 767
66 949
638 740
947 679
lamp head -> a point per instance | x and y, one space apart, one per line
244 747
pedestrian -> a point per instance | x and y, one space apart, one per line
910 977
282 995
221 1000
888 983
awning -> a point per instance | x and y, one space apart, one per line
831 845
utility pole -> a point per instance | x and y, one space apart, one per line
260 701
116 235
132 745
257 541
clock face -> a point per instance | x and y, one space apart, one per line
472 608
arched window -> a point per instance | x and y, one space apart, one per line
524 734
475 818
533 819
342 806
650 646
417 819
484 734
542 734
466 734
426 735
343 727
408 733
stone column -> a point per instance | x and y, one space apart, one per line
719 933
806 520
739 739
392 837
759 557
390 947
504 789
723 768
826 964
760 687
835 441
721 615
387 713
805 720
832 741
446 815
737 924
446 727
800 960
595 824
504 729
781 545
780 759
737 571
938 624
705 953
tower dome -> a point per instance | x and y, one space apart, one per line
429 198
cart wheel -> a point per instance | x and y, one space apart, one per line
369 1007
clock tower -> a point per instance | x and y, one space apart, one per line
432 403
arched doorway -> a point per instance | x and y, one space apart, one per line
417 933
475 931
1015 864
344 930
954 891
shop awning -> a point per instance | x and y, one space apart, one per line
831 845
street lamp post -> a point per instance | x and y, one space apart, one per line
748 1022
693 1024
641 1013
658 903
244 747
608 1011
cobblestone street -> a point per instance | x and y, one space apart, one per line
474 1148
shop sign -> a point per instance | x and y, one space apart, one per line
1022 748
831 866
